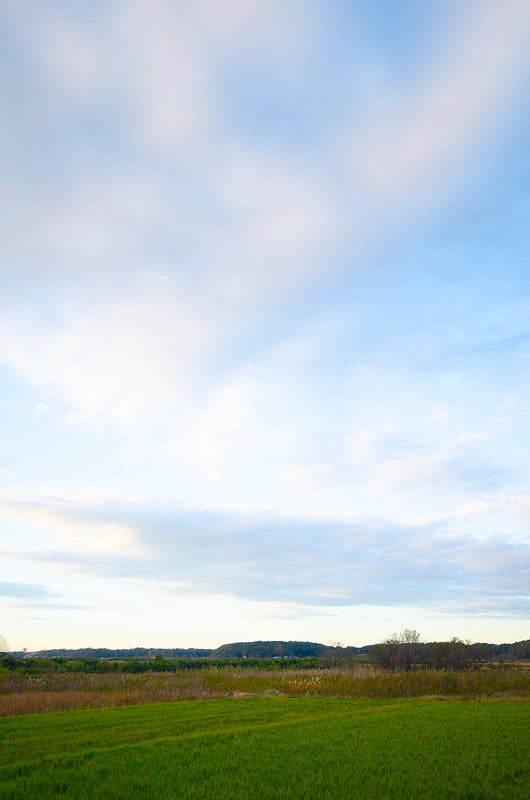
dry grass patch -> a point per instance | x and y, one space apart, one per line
58 692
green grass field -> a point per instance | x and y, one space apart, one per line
272 747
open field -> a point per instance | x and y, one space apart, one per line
24 694
272 747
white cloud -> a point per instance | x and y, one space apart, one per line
73 56
213 438
365 445
244 224
127 342
169 72
278 220
295 559
424 131
78 526
176 54
447 467
518 507
162 61
118 360
100 218
309 481
478 508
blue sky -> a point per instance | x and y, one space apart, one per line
264 321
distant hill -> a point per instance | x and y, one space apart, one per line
131 652
259 649
517 651
269 650
262 649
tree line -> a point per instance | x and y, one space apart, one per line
401 652
405 652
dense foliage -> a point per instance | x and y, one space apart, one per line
43 666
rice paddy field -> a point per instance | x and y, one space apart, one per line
275 747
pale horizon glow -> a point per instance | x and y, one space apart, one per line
264 322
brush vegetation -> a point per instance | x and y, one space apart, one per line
55 691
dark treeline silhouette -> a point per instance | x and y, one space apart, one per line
269 650
453 655
37 665
405 651
257 649
401 652
129 652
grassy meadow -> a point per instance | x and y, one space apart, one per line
272 747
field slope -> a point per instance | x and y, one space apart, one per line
272 748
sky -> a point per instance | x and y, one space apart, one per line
264 321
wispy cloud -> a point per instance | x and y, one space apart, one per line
307 480
251 224
24 591
444 468
423 132
309 562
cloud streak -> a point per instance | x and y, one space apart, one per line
419 139
252 225
307 562
24 591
